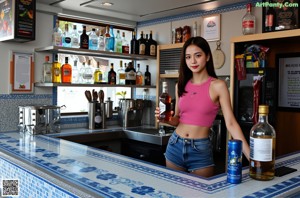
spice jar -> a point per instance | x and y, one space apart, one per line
186 33
178 35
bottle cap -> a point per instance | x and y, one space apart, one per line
263 109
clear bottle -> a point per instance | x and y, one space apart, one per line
56 75
152 44
106 38
88 75
93 40
66 72
165 104
270 20
75 73
101 43
262 147
66 40
118 47
57 35
130 74
139 76
111 39
98 75
134 44
147 76
47 71
142 44
81 80
84 39
125 44
121 76
75 38
112 75
248 22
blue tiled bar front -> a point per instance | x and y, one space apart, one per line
59 168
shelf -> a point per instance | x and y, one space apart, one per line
171 46
77 51
168 75
38 84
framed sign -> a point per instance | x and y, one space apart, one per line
211 27
21 72
288 66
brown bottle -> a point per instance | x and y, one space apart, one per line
66 72
165 104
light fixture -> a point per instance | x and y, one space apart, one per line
107 4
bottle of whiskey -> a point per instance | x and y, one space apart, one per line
66 72
98 75
165 104
248 22
66 41
56 75
152 44
262 147
84 39
112 75
130 74
147 76
47 71
142 44
134 45
121 75
139 76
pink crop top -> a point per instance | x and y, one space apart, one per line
196 106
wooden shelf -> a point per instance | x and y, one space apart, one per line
38 84
86 52
171 46
168 75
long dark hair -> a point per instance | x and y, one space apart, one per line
185 74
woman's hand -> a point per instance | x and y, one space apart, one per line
174 120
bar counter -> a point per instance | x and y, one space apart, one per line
50 167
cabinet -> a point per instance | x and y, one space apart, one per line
287 138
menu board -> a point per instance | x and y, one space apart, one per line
17 20
289 82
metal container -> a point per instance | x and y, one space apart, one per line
39 119
234 164
109 108
91 115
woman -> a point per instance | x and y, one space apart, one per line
199 96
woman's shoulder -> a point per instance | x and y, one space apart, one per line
218 83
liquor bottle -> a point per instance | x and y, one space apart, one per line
106 38
248 22
47 71
75 38
98 75
147 76
93 40
111 39
75 73
112 75
57 35
66 72
81 80
262 147
165 104
88 74
56 75
152 45
270 20
66 40
125 45
130 74
121 76
118 47
134 45
139 76
84 39
147 46
101 43
142 44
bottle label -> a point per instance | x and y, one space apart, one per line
162 107
98 119
125 49
122 76
56 72
75 41
99 77
67 40
87 76
142 49
152 50
130 75
67 72
261 149
269 20
248 24
57 40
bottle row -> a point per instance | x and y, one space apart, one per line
104 41
86 73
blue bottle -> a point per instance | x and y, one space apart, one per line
234 163
111 44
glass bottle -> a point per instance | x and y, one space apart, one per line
101 43
118 47
165 104
88 75
139 76
134 45
262 147
130 74
81 80
66 72
270 19
75 73
142 44
125 45
84 39
93 40
106 38
98 75
56 75
57 35
121 74
248 22
47 71
152 45
75 38
66 40
147 76
112 75
111 39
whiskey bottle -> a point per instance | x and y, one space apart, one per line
142 44
248 22
56 75
121 75
134 45
130 74
270 20
57 35
98 75
152 45
147 75
262 147
66 72
47 71
112 75
165 104
125 45
66 40
139 76
84 39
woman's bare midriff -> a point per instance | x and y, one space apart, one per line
192 131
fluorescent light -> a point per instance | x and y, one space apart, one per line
107 4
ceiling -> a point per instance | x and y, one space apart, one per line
139 10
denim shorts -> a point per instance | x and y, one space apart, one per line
191 154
